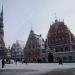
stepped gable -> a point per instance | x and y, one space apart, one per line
59 33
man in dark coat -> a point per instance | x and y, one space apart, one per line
60 61
3 63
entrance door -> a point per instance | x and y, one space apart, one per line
50 57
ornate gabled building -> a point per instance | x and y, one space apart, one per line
3 50
34 48
61 42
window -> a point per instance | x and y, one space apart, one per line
62 30
61 49
64 58
56 50
29 47
59 39
70 57
66 48
33 46
58 58
63 38
56 39
43 51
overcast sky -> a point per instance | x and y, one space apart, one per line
20 15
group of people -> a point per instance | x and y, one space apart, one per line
3 62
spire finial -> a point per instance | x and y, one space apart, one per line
55 18
31 26
31 31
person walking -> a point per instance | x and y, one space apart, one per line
60 61
3 63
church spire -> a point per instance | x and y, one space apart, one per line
1 17
31 31
2 12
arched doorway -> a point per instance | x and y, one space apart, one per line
50 57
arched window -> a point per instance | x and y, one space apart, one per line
66 48
29 47
58 58
56 49
64 58
61 49
70 57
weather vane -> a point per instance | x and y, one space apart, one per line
55 16
31 27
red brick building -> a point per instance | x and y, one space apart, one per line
34 48
61 41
